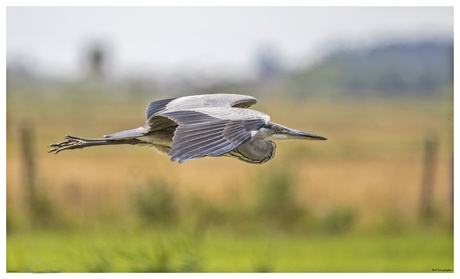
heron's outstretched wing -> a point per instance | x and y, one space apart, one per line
199 101
211 131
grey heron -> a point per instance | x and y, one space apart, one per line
197 126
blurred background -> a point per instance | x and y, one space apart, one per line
376 197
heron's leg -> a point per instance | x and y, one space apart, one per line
72 142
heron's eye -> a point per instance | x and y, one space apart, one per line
278 130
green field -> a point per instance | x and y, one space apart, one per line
175 251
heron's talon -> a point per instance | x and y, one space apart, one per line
69 143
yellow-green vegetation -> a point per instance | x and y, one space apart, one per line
347 204
172 250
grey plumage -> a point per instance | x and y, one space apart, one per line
197 126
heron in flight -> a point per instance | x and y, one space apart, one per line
197 126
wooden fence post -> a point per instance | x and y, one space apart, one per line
29 165
38 205
428 175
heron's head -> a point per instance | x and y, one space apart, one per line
279 132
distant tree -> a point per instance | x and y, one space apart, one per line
96 58
269 63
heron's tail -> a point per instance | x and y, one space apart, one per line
72 142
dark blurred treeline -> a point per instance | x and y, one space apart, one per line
424 68
394 69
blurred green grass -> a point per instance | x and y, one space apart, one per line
171 250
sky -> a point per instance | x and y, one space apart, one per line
214 40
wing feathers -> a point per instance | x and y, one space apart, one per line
186 148
157 106
200 134
200 101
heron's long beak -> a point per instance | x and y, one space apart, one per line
281 132
299 135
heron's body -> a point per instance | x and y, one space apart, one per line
202 125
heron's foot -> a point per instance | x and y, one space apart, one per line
71 142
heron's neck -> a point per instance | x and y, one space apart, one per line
257 150
262 134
